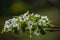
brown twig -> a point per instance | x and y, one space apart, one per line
56 28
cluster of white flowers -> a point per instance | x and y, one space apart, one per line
9 24
30 20
43 21
24 17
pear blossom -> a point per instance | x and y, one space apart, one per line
14 22
36 32
9 29
42 22
20 19
32 14
7 25
44 17
26 13
32 23
36 15
25 16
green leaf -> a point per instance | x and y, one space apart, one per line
34 27
42 32
32 18
36 19
15 17
23 27
51 25
30 36
2 31
15 31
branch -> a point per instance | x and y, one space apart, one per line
56 28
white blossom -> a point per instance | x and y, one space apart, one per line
9 29
14 22
42 22
36 32
44 17
25 17
30 23
20 19
32 14
26 13
36 15
7 24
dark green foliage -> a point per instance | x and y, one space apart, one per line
15 31
42 32
37 18
34 27
23 27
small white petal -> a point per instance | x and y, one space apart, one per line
17 25
32 14
20 17
4 28
9 29
21 20
36 33
42 22
30 23
26 13
43 17
36 15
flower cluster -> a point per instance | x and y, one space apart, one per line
34 23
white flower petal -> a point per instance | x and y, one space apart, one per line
9 29
32 14
42 22
26 13
43 17
36 15
36 33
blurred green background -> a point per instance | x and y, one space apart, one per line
10 8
